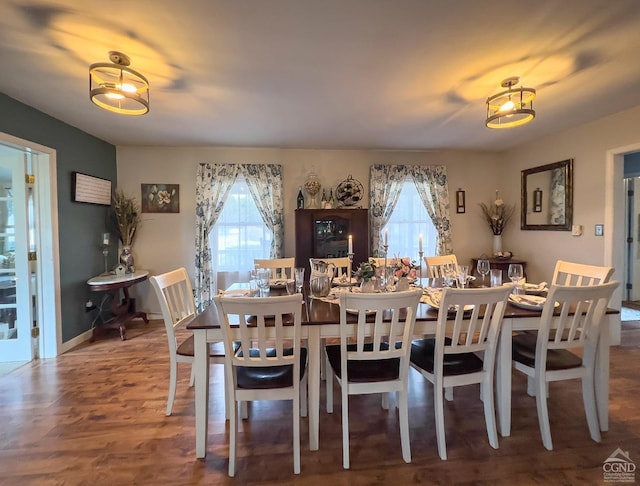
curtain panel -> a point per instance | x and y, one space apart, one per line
385 184
213 184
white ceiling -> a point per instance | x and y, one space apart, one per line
387 74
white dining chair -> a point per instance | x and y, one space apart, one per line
270 364
463 351
369 364
569 273
570 321
281 268
175 295
435 264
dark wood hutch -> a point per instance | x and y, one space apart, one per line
324 233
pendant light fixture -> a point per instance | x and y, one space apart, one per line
510 108
118 88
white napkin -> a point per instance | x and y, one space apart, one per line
236 292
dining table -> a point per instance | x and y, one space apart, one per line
321 319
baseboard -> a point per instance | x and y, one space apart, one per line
72 343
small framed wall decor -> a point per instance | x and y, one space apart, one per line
460 202
89 189
160 198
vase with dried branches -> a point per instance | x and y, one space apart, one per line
126 218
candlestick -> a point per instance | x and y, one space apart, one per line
350 252
420 243
385 273
350 265
420 269
386 237
105 239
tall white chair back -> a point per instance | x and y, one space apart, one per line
568 273
435 264
281 268
372 363
570 320
270 363
464 351
175 295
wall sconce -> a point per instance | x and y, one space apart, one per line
460 204
537 200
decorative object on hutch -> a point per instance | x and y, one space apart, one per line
349 192
118 88
497 214
300 199
510 108
324 233
460 201
555 185
312 186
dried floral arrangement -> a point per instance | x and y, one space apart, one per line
126 215
497 214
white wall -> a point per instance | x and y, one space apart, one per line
166 241
588 145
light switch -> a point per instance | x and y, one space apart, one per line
576 230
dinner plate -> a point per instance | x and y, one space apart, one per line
529 302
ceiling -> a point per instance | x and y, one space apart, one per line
379 74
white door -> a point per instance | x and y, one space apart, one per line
15 296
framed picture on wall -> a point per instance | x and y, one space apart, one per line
160 198
89 189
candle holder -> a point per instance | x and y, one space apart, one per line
385 247
420 253
105 251
349 269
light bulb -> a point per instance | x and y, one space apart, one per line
507 106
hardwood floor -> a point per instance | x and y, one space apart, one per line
95 416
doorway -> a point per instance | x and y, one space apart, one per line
29 271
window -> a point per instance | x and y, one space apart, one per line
409 220
239 235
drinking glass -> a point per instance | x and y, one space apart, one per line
483 269
463 274
291 287
496 277
515 274
449 273
264 275
299 277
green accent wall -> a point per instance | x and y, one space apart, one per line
80 225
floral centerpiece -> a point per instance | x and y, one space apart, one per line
404 267
497 214
366 271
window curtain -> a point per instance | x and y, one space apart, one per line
385 184
431 184
213 184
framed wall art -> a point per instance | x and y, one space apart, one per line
160 198
89 189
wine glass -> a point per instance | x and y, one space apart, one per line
299 277
483 269
515 274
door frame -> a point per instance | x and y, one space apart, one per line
49 314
